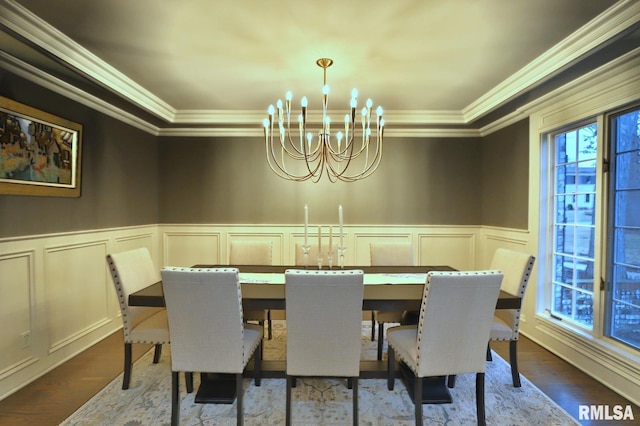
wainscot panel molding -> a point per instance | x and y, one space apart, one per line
457 246
18 297
58 297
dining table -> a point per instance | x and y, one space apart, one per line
389 288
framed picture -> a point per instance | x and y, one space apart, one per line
40 154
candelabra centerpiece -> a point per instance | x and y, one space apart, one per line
347 156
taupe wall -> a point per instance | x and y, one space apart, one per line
505 178
132 178
119 172
420 181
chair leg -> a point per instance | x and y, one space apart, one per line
257 364
513 360
127 366
417 400
288 409
489 357
380 339
355 401
391 365
188 378
239 393
175 398
156 353
269 325
480 399
373 326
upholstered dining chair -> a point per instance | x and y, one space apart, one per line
131 271
324 325
208 334
388 254
455 320
253 253
516 267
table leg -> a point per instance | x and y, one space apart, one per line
434 389
216 389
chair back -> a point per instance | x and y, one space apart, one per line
250 253
391 254
516 267
131 271
455 321
204 307
324 322
313 255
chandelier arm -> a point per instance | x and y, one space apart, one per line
280 169
372 167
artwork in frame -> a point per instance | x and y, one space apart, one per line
40 154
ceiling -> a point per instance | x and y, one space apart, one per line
203 61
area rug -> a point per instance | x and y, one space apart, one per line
316 401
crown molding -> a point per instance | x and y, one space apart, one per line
257 132
619 75
612 21
41 78
20 20
248 123
253 117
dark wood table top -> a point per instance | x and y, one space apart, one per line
376 297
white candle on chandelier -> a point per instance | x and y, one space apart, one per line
319 239
339 135
346 125
280 114
301 128
288 98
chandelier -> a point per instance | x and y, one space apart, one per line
347 156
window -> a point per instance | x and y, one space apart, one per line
623 269
574 169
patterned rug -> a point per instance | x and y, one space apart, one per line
316 401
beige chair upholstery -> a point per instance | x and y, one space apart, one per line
253 253
388 254
324 325
516 267
455 319
208 333
131 271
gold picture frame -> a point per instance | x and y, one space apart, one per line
40 154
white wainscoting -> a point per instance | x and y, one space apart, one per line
58 297
457 246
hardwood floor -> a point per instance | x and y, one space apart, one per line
55 396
